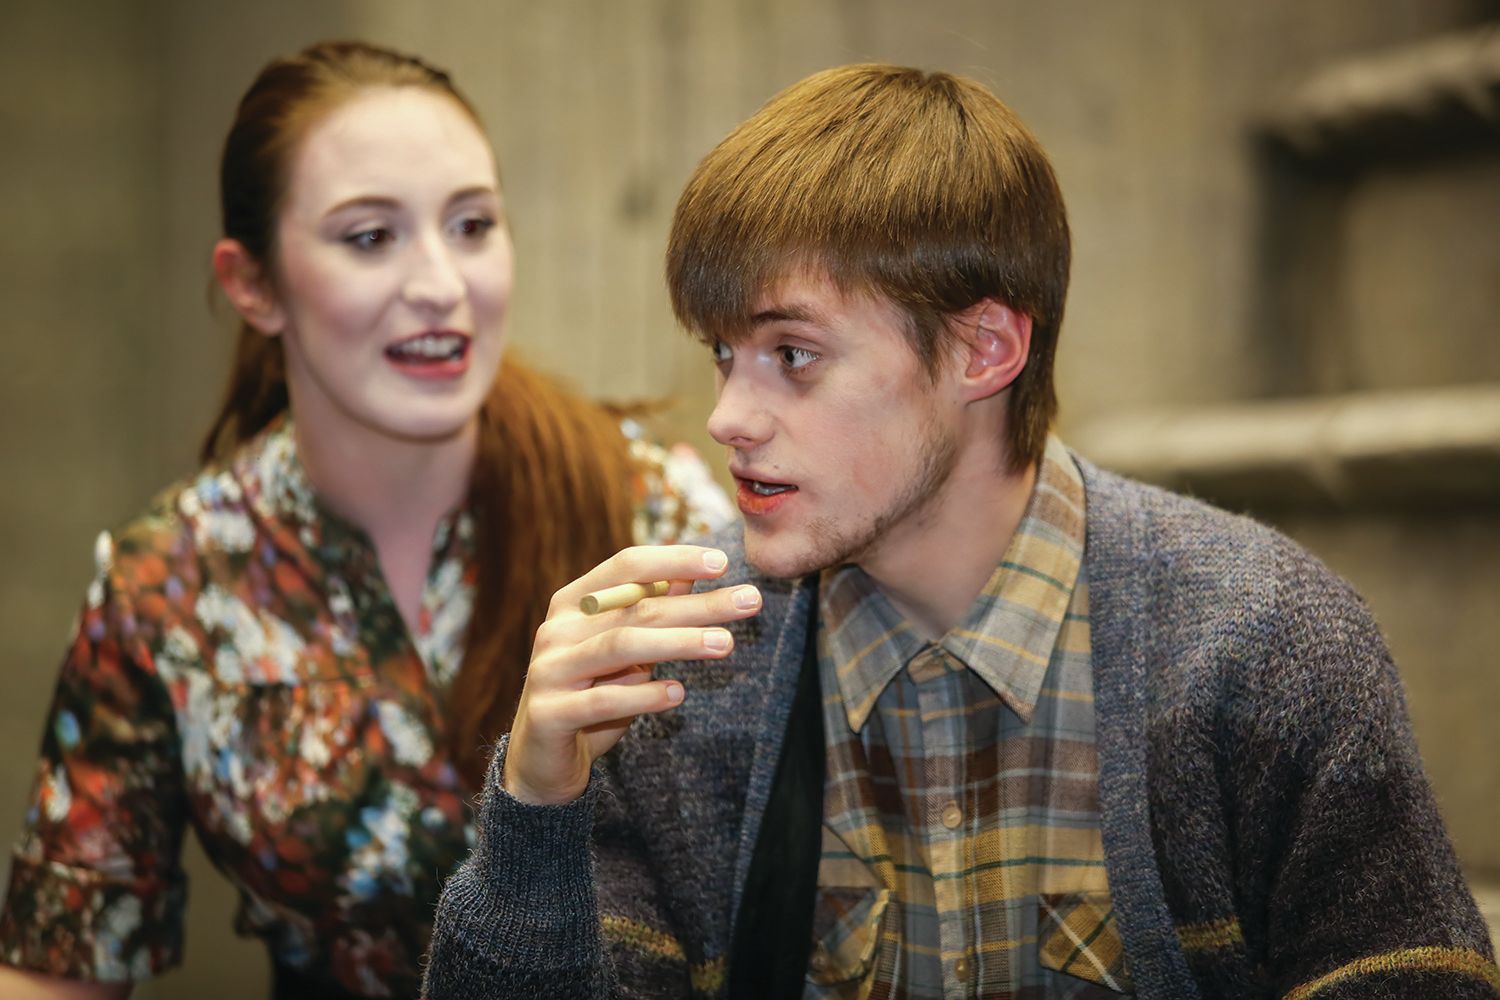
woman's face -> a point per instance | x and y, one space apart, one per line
393 271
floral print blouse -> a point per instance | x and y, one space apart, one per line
240 667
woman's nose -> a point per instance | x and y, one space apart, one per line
434 281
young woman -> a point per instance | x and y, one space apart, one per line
304 652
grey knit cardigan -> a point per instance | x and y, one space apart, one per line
1268 830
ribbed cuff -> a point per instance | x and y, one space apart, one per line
538 866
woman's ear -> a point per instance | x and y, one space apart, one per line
996 343
247 287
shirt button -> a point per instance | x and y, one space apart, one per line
961 968
952 815
819 961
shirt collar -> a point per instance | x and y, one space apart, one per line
1009 632
275 482
276 486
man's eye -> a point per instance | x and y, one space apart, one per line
794 358
720 352
373 238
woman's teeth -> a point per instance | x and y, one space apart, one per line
430 347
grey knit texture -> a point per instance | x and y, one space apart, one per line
1266 819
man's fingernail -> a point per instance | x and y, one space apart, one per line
715 560
746 598
716 638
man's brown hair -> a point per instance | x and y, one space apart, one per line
921 187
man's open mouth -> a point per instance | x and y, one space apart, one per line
767 489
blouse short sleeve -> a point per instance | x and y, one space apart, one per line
95 889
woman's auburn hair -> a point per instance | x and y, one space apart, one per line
920 187
553 497
552 487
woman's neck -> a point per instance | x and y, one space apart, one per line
395 491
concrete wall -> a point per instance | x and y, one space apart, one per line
113 115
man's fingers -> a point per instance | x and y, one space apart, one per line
708 608
644 564
683 611
618 648
593 707
637 673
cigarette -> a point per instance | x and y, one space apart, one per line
622 596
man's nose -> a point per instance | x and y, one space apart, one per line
739 418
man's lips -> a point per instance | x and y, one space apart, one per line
759 496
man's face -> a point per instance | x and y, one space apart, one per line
838 439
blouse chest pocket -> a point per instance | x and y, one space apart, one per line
1077 937
848 925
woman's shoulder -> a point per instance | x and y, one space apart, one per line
208 508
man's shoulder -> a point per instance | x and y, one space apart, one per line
1148 521
1206 591
1185 544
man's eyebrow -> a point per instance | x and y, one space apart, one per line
794 313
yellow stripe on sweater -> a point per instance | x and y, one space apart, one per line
1459 960
638 935
706 977
1211 936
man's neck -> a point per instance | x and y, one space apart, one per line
933 567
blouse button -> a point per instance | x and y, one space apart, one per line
961 968
952 815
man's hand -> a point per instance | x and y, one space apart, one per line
590 675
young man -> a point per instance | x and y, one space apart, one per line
987 721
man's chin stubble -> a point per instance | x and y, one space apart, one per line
825 548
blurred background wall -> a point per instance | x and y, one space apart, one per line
1235 296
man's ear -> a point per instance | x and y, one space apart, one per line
247 287
995 343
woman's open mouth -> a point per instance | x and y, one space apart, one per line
434 354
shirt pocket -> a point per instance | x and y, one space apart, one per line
1078 937
848 928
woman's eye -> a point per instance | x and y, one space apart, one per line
795 358
374 238
474 226
720 351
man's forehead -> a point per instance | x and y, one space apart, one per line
796 277
802 292
809 293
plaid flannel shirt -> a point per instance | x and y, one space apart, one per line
962 853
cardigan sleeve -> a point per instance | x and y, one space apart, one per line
554 901
1366 896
